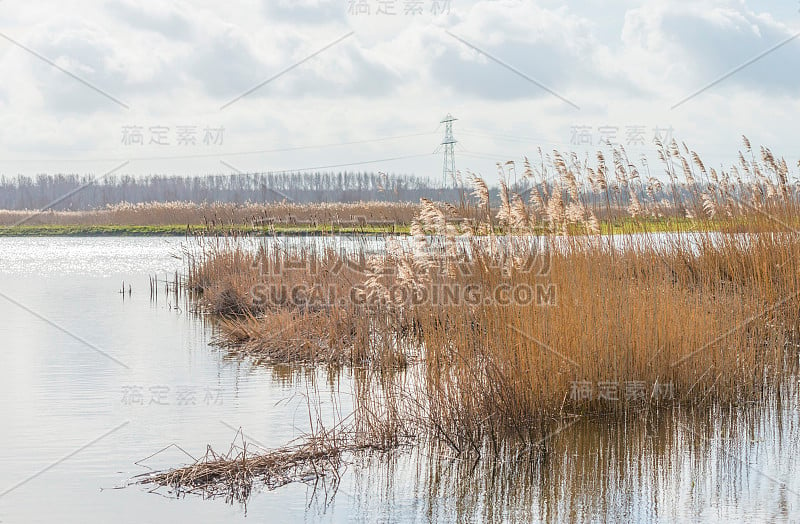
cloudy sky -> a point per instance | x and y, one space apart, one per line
202 87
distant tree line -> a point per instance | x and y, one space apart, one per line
77 192
81 192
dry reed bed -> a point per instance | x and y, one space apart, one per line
711 318
252 294
219 214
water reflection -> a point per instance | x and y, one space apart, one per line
58 395
671 466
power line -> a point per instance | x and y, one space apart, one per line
517 139
222 154
490 157
481 132
331 166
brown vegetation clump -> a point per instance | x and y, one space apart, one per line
511 330
282 305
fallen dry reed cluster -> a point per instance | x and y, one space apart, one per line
318 456
706 315
235 474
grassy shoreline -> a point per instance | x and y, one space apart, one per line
183 230
622 226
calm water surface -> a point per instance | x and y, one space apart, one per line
93 385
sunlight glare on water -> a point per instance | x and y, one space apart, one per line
94 382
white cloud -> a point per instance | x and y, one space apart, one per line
691 45
178 63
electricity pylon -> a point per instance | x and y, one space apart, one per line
449 146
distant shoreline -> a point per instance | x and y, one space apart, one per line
623 226
199 229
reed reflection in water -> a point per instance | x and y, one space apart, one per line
668 466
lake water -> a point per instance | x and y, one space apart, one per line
93 383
